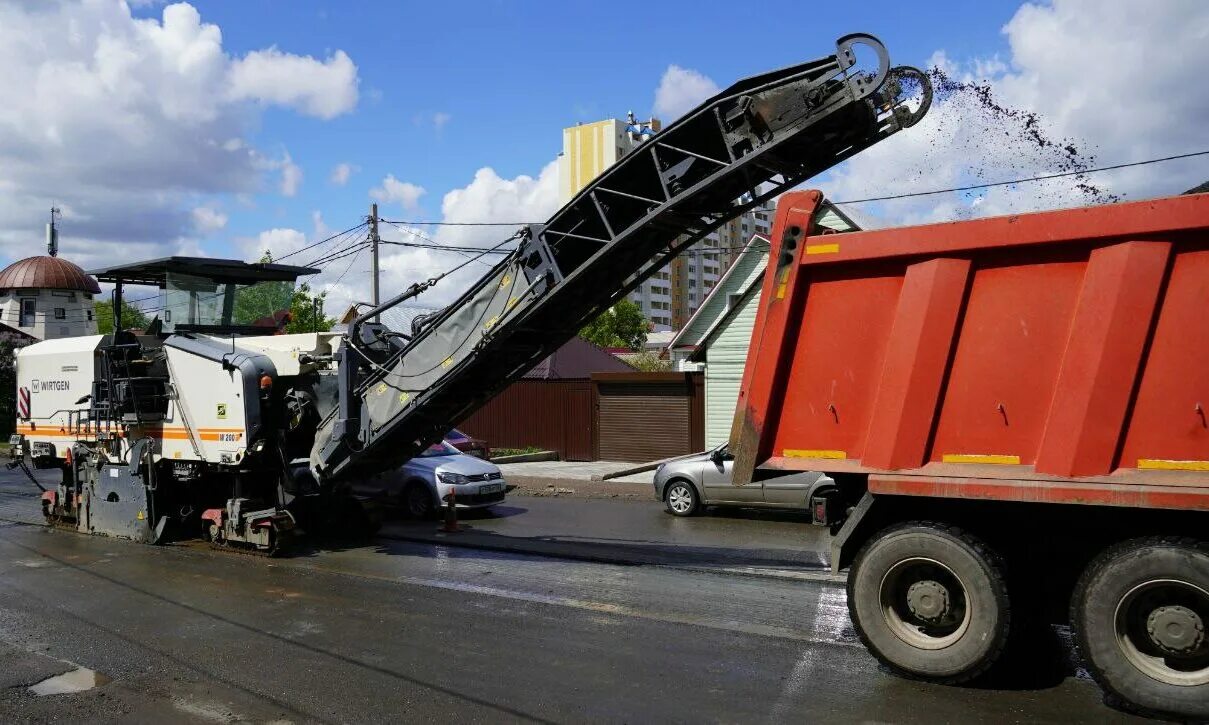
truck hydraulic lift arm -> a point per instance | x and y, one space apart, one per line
400 391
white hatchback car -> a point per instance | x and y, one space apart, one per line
421 485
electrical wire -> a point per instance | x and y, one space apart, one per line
460 224
1043 177
321 241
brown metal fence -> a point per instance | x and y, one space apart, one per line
555 415
614 416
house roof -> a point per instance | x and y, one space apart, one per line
398 318
698 352
747 269
744 275
47 273
577 359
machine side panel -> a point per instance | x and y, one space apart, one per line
218 408
52 377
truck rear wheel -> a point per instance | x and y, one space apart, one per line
1141 619
930 601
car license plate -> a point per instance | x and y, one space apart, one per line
491 488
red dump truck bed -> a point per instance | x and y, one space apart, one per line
1010 414
1058 356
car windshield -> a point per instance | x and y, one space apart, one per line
456 434
439 449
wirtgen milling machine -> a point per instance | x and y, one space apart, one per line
203 426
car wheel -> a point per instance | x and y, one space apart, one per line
681 499
1141 615
417 501
930 601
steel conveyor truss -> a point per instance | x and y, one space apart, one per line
402 390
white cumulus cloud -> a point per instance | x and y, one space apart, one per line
207 220
404 193
341 173
487 198
291 176
324 89
680 90
1113 80
132 122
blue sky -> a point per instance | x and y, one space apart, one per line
213 127
511 75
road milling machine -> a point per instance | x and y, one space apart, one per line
203 426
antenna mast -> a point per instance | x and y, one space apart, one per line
52 233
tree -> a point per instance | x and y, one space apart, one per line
267 298
132 318
649 361
622 325
9 343
303 309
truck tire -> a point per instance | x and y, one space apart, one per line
1141 617
930 601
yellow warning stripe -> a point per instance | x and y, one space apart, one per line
782 282
832 248
1002 460
1159 464
810 453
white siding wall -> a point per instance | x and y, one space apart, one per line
725 356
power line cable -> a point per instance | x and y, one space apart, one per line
1043 177
460 224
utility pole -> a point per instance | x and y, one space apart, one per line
373 240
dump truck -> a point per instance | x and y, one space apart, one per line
1009 414
206 424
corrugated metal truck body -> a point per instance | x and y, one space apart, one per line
1013 376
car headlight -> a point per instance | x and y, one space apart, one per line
455 478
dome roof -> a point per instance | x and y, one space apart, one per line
47 273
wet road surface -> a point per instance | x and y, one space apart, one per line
407 629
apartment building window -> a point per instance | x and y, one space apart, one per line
692 283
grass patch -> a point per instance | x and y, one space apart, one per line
496 452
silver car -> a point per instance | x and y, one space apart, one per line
687 484
421 485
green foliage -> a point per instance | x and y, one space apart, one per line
8 380
267 298
620 326
303 309
132 318
648 361
261 300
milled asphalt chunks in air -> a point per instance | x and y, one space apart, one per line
999 139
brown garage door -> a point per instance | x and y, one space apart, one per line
645 420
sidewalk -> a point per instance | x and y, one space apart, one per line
743 542
579 479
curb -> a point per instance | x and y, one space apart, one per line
820 574
579 488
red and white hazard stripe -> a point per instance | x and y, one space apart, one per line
23 403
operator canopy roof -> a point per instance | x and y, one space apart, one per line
155 272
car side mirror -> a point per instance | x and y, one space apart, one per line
717 456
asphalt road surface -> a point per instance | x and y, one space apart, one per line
415 630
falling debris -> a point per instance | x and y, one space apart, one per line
1016 137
